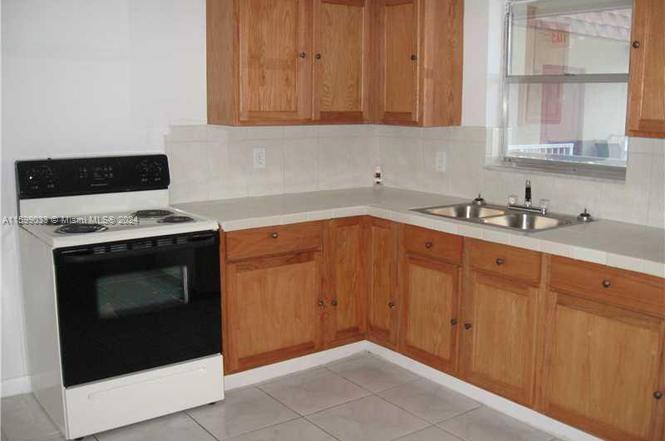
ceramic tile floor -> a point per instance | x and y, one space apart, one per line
360 398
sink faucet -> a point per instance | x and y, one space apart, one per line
528 205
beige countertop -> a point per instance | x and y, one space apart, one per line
622 245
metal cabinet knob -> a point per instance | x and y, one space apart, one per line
274 235
392 305
414 57
453 322
322 304
429 245
333 303
468 325
607 283
658 395
317 56
637 44
302 55
500 261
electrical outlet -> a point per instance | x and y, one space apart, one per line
440 162
259 157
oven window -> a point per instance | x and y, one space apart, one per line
138 292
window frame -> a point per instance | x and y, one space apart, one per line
576 168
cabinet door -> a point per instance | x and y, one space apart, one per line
604 369
429 312
398 28
275 60
383 300
346 282
341 60
273 309
646 108
498 336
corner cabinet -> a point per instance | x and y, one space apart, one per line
341 61
334 61
345 282
646 100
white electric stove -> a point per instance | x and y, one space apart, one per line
122 293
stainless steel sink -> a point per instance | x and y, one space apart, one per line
527 221
463 211
503 217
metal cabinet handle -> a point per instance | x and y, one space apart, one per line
302 55
468 325
500 261
333 302
637 44
429 245
658 395
322 304
607 283
453 322
392 305
274 235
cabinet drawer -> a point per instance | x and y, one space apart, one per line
432 243
622 288
273 240
503 260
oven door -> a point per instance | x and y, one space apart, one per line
139 304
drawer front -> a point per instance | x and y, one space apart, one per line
627 289
504 260
433 244
268 241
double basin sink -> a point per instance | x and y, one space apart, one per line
503 217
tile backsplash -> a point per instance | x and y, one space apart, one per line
214 162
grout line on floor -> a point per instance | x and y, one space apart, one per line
200 425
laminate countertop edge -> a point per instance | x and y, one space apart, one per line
616 244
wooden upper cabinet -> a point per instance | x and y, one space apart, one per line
604 369
341 60
499 333
383 298
398 28
345 287
275 60
430 300
419 55
646 102
259 56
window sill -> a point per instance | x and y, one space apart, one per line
572 171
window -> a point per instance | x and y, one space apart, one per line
566 85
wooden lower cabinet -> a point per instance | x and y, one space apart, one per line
605 369
272 306
498 335
345 285
430 301
382 320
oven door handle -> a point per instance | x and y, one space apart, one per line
86 255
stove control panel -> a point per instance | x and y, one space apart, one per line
81 176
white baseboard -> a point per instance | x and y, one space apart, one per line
269 372
521 413
16 386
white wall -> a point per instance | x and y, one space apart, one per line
84 77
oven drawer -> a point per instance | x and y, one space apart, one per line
611 285
434 244
104 405
268 241
504 260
